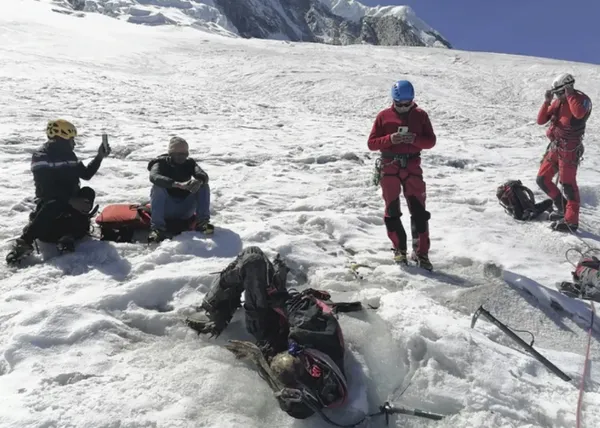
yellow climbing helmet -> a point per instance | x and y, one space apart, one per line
61 128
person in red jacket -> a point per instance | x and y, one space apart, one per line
400 132
567 115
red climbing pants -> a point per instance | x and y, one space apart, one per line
562 159
395 180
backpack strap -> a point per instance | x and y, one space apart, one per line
529 193
144 211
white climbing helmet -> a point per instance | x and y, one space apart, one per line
561 81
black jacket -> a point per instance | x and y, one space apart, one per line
163 173
57 170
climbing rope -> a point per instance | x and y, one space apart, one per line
585 368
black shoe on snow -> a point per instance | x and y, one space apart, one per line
20 250
203 323
563 226
209 320
66 244
556 216
570 289
400 257
422 261
205 227
158 235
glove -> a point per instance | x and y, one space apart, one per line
102 152
194 185
81 205
403 138
548 96
569 89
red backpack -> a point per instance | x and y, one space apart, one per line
118 222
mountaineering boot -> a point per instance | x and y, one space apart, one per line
66 244
422 261
158 235
400 257
570 289
205 227
202 323
20 250
556 215
208 320
560 203
563 226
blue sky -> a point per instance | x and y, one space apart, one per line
568 30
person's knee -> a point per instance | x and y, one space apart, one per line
392 224
254 249
393 208
570 191
87 193
254 260
158 193
419 215
541 182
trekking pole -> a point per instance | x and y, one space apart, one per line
528 347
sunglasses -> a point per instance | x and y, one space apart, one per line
403 103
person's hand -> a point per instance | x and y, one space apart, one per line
194 185
548 96
403 138
104 152
569 89
180 185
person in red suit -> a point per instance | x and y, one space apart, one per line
399 133
567 115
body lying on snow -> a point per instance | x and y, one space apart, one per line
299 347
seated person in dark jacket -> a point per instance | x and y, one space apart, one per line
299 346
62 212
180 190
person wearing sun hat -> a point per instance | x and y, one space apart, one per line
180 191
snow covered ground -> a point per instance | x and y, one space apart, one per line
95 338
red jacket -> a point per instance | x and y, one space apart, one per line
387 123
567 117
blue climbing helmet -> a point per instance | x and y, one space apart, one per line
403 91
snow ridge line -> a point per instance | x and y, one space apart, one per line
585 367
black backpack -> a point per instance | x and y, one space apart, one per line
519 201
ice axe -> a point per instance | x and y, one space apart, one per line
528 346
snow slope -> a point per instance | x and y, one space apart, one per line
95 338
